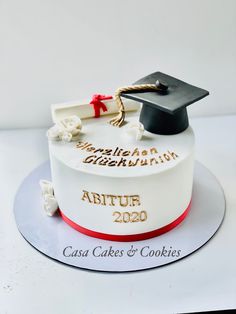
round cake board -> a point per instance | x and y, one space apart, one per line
54 238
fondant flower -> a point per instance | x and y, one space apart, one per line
136 129
53 133
67 129
49 201
66 136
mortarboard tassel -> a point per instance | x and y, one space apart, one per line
119 119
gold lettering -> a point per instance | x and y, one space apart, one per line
122 162
112 163
127 217
135 152
152 160
173 154
119 152
89 159
86 145
126 153
96 160
96 198
167 157
79 144
121 200
86 196
90 149
153 150
103 199
135 200
132 164
103 162
114 154
99 150
143 162
107 152
112 198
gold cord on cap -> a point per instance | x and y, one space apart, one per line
119 119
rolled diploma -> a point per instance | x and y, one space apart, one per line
85 110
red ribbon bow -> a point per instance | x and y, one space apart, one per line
98 104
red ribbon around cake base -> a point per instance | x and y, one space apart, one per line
129 237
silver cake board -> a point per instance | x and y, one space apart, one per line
54 238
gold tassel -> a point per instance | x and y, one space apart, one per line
119 119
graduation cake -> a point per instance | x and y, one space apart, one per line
122 165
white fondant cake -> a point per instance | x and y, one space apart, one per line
156 180
119 183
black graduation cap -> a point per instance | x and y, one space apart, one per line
164 111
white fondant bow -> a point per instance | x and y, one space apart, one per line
66 130
49 201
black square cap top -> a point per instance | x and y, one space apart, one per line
178 95
165 112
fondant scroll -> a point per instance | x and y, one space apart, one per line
84 110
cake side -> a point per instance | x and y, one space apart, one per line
123 206
123 200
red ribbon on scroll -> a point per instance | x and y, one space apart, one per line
98 105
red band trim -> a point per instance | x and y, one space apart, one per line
130 237
98 104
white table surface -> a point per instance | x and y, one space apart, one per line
33 283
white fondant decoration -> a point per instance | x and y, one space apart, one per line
49 201
85 110
67 129
136 130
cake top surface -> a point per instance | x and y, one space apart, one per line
105 150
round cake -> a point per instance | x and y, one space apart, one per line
123 182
